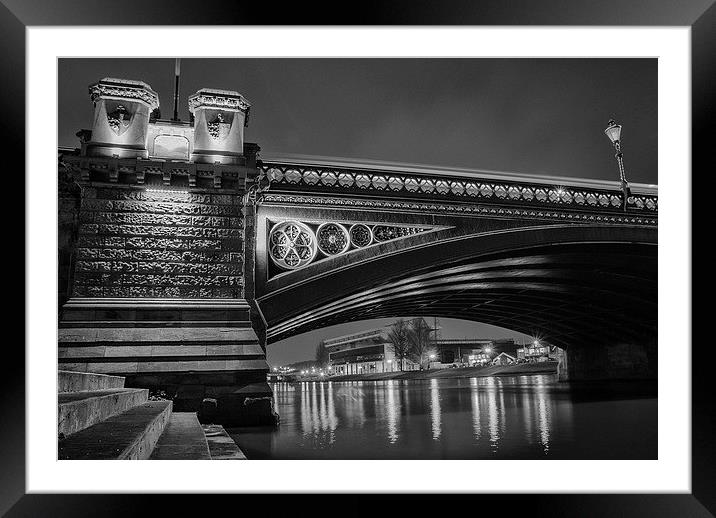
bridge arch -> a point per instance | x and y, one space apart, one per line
571 285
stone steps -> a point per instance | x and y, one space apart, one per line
99 419
190 349
183 439
130 435
80 410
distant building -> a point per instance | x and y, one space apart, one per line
473 351
363 353
504 359
537 352
297 367
370 351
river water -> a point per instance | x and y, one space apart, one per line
520 417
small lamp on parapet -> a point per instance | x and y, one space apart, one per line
614 133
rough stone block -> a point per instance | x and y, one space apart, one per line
178 350
81 352
128 351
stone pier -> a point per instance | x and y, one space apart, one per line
620 361
152 253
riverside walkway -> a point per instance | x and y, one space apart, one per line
465 372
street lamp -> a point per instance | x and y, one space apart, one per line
614 132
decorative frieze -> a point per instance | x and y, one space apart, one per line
220 99
461 209
124 89
295 244
159 173
462 189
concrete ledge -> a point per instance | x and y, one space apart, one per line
183 439
79 410
92 303
147 366
71 381
157 334
221 445
66 324
127 352
129 435
108 310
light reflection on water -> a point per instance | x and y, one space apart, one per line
502 417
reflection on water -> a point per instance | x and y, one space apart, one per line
435 408
502 417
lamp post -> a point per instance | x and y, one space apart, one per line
613 132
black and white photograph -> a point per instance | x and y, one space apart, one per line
411 250
359 258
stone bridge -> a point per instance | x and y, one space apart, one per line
182 253
553 258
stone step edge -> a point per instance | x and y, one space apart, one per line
156 427
159 455
143 444
88 376
132 397
221 445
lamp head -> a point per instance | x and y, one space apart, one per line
613 131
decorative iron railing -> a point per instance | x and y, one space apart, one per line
460 187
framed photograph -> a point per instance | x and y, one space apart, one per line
422 256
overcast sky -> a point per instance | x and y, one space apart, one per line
531 116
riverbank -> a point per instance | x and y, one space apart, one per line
521 369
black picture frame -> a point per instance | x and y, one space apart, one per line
17 15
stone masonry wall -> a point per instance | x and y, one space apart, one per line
68 209
165 244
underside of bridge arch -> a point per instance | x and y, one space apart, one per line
595 298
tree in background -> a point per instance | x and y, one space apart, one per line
321 355
398 336
421 344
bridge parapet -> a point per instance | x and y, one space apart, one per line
302 182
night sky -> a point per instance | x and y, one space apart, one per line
530 116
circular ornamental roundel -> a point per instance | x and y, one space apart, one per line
361 235
332 238
292 245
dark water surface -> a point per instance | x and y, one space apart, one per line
520 417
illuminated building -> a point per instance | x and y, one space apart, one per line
364 353
537 352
